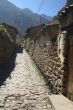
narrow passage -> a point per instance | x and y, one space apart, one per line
24 89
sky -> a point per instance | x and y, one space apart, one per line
49 7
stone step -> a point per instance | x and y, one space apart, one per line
60 102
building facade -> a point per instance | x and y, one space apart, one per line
65 48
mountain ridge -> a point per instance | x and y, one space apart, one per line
19 18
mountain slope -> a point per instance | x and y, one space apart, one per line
19 18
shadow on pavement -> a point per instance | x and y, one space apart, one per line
19 50
7 68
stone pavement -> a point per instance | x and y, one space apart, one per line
24 89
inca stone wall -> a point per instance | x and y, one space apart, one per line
47 60
45 53
49 63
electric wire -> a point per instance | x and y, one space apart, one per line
41 5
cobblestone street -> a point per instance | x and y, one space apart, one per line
24 88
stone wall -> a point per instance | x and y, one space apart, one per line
7 43
49 63
55 57
47 60
27 44
44 49
66 24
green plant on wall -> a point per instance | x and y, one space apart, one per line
5 33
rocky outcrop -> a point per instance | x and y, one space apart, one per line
7 42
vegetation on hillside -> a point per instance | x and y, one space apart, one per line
5 33
7 42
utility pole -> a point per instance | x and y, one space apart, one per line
40 19
40 8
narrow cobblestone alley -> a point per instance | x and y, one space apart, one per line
24 88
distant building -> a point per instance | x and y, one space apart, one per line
48 34
31 33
